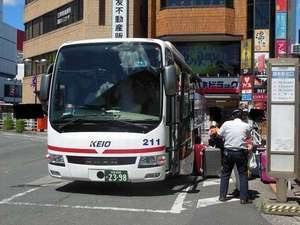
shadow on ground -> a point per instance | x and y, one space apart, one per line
170 186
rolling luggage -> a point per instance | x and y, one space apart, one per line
211 162
263 161
199 158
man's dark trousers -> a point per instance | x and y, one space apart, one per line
240 158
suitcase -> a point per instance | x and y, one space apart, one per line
211 162
198 151
263 162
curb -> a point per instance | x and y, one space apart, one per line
30 133
282 209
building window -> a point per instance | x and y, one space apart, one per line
28 1
39 64
101 12
212 58
262 14
63 16
196 3
250 18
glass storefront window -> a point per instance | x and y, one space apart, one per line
212 58
195 3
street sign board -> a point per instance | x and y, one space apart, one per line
283 117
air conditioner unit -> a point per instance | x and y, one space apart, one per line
295 49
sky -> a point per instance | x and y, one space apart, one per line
13 13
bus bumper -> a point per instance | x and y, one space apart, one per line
91 173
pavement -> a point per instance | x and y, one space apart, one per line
262 193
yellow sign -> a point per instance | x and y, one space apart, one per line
246 59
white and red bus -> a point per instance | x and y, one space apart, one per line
121 110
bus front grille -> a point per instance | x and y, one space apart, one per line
103 161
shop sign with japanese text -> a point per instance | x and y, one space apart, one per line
260 97
261 43
119 18
220 85
281 25
246 82
280 47
246 59
261 62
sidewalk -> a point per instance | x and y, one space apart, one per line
266 195
26 132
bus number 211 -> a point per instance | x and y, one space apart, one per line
147 142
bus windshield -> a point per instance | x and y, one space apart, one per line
107 87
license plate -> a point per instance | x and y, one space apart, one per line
116 176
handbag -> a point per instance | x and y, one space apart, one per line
252 161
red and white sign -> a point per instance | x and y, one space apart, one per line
261 97
280 47
246 82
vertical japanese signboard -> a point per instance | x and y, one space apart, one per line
246 87
261 62
261 42
283 117
246 49
119 18
281 25
281 47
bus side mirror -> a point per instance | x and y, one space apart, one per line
45 88
45 84
170 80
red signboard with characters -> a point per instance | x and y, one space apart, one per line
280 47
260 97
246 82
281 5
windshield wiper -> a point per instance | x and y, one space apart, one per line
129 123
69 120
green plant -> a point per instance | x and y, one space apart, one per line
20 126
8 123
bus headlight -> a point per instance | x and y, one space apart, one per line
152 161
57 160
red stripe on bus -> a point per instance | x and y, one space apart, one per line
73 150
133 151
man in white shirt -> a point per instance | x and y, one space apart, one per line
236 134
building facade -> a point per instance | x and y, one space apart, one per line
10 88
49 24
209 35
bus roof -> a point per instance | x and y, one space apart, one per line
111 40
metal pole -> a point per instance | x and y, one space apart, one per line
281 190
35 85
